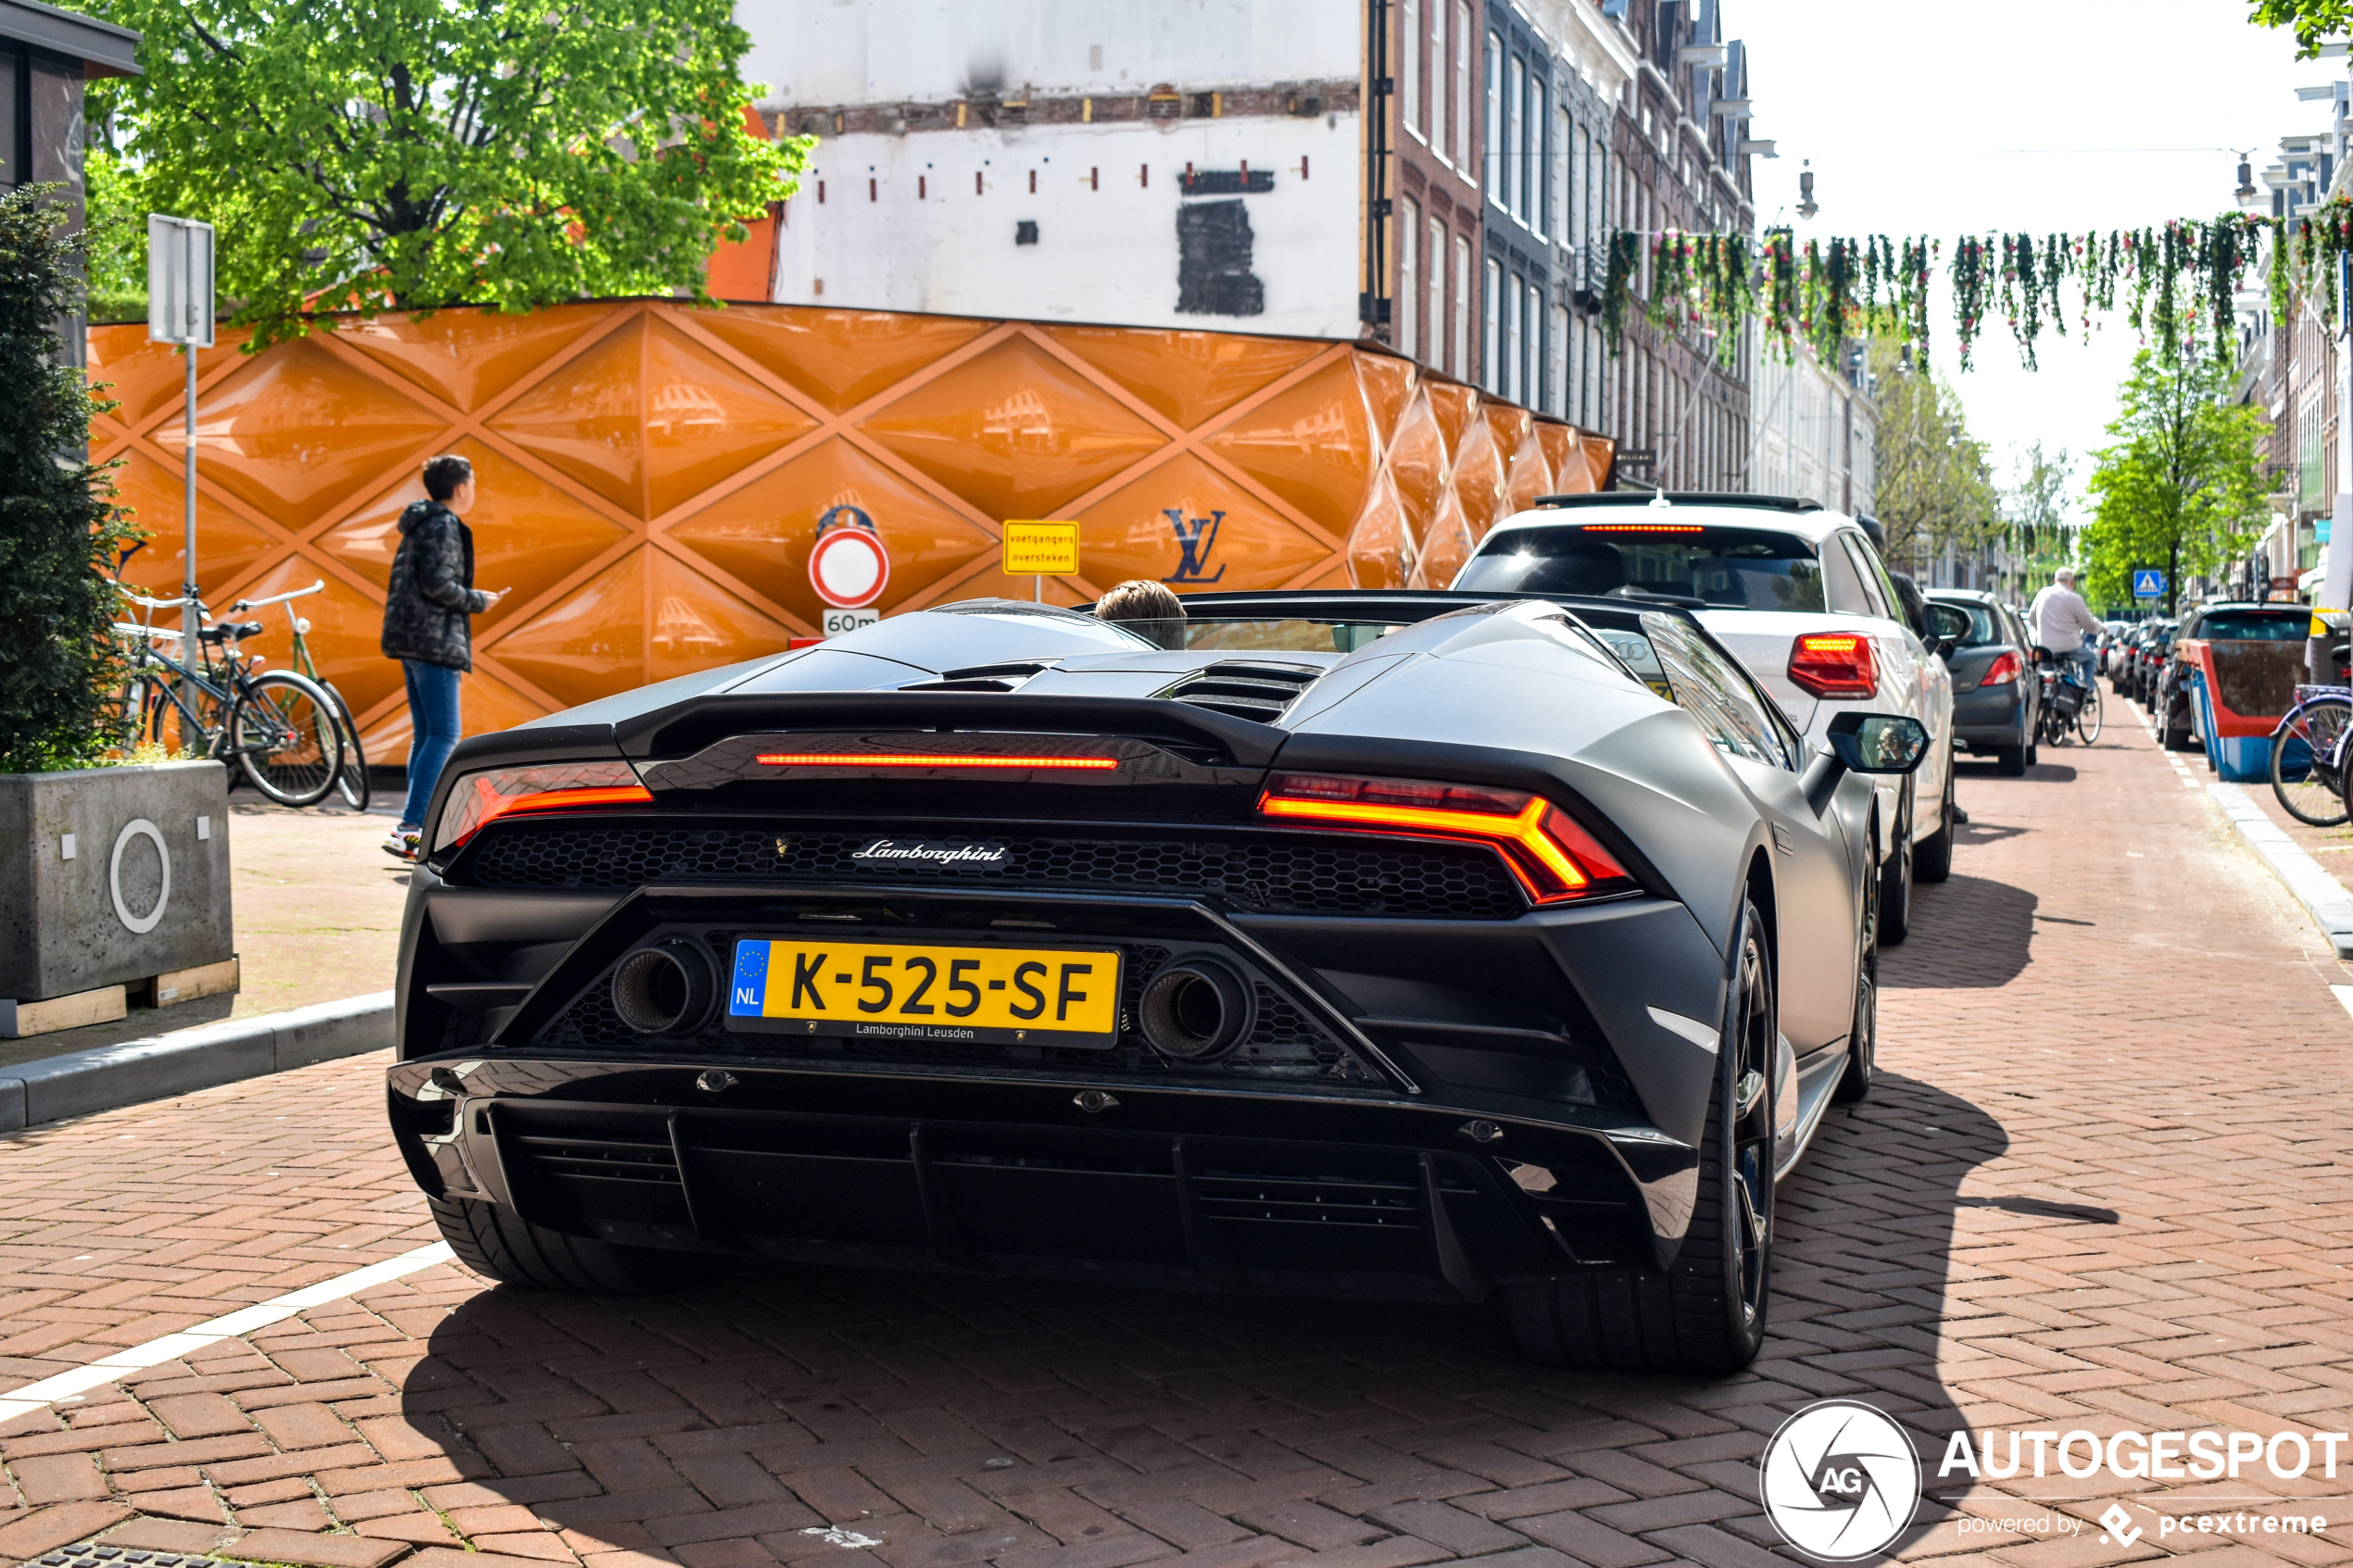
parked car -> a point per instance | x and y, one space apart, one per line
2148 661
1995 691
1797 592
2110 644
1409 947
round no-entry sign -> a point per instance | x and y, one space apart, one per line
849 568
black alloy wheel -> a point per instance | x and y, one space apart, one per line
1933 861
1707 1312
1895 877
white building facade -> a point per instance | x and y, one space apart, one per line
1812 431
1196 163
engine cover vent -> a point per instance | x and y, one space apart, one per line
1245 688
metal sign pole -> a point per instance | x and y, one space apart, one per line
180 298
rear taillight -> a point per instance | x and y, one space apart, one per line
1551 856
1833 664
482 798
2004 671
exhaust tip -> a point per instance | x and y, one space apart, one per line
1196 1010
665 989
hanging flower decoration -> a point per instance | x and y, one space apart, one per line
2170 281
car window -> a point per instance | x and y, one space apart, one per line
1985 627
1727 707
2253 625
1733 567
1876 588
1842 585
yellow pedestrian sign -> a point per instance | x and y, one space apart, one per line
1036 549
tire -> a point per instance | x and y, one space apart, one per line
2087 719
1862 1040
284 736
2033 753
2312 794
1933 858
1706 1311
2011 761
1895 880
497 1243
2179 740
351 780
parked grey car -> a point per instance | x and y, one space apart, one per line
1995 691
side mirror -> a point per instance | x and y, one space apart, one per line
1863 743
1947 625
1878 743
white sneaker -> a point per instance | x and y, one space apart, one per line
401 843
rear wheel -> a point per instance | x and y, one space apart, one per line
2303 749
1895 878
1933 861
497 1243
2010 760
1706 1312
285 737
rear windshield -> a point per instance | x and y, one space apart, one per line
1732 568
1260 634
1984 622
2255 626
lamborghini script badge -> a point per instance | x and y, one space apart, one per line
929 852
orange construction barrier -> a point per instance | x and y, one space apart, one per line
652 475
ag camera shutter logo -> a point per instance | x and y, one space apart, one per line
1840 1480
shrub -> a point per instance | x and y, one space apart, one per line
60 531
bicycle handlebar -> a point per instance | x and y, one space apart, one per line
147 603
317 587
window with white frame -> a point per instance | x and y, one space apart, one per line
1412 14
1561 176
1494 159
1490 362
1531 163
1461 337
1436 266
1466 50
1556 384
1514 165
1409 235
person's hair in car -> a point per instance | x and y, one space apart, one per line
1149 609
444 473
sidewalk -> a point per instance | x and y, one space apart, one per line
317 907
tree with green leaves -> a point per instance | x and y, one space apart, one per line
59 529
415 154
2034 509
2316 22
1931 487
2183 486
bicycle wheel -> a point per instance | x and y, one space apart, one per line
2302 778
2087 717
284 733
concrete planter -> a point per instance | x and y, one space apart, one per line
111 876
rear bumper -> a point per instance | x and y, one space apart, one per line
1990 717
1176 1190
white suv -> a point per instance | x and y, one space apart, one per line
1798 592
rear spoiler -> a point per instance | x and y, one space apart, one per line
694 724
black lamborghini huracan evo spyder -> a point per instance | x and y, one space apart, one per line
1417 947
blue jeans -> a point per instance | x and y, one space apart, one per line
2085 660
433 716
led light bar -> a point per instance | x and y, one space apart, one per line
1552 857
1641 527
909 760
482 798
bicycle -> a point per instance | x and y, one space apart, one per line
352 780
277 728
2068 707
2308 755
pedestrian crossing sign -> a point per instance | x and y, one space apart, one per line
2148 583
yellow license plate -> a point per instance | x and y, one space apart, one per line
885 991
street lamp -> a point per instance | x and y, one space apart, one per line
1807 206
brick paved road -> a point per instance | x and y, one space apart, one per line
2107 1181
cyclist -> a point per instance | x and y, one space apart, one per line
428 607
2060 620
